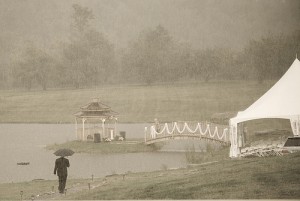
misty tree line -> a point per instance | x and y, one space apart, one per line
89 59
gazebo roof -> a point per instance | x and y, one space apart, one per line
95 105
96 109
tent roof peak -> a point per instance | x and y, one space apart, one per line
280 101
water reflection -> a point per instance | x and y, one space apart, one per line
26 142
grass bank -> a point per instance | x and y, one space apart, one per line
188 101
127 146
251 178
259 178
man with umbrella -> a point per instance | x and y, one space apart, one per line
61 165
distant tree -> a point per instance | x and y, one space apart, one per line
227 66
81 21
100 66
271 56
241 70
44 73
289 49
6 77
149 56
260 55
35 67
181 65
75 52
75 59
206 64
89 57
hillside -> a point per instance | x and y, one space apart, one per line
257 178
187 101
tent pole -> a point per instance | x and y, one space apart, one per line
298 126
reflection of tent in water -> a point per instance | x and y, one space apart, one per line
281 101
98 121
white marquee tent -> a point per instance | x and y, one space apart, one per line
281 101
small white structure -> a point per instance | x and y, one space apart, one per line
281 101
95 119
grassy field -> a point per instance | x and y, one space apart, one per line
251 178
189 101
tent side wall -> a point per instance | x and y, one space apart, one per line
235 132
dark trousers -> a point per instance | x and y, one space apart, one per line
62 183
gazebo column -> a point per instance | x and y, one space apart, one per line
115 131
83 121
103 127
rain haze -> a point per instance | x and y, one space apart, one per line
148 96
203 23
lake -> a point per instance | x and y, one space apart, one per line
26 143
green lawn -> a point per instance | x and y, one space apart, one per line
188 101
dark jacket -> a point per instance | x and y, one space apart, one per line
61 165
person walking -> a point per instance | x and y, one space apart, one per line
61 168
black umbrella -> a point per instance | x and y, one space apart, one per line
64 152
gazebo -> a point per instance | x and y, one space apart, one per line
97 122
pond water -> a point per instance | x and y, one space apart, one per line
26 143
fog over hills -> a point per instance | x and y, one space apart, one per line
201 23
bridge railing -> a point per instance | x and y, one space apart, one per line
192 129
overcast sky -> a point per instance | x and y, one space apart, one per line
202 23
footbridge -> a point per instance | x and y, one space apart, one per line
187 130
